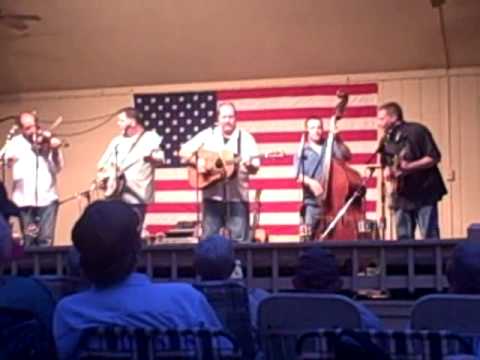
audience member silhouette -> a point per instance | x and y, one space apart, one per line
214 259
463 271
108 241
317 271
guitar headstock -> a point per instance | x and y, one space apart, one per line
258 194
341 104
274 154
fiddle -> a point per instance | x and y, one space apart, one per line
45 140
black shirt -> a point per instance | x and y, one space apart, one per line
412 141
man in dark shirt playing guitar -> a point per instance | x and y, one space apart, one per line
411 157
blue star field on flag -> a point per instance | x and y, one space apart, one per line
177 117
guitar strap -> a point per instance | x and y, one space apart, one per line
129 152
239 149
239 143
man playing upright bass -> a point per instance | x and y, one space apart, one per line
308 167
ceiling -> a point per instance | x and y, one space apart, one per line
89 43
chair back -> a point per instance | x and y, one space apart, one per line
282 318
231 303
101 343
339 344
26 293
61 286
24 337
452 312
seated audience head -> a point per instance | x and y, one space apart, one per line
108 241
214 258
72 263
6 242
463 270
317 270
7 207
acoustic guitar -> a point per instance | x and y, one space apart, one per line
257 234
111 179
396 182
208 167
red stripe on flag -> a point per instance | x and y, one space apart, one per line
303 113
281 229
270 207
354 89
158 228
296 136
271 229
279 183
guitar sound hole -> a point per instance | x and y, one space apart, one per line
219 163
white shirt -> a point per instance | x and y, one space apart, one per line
128 152
32 187
213 140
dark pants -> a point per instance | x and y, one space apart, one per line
426 218
140 210
232 215
38 224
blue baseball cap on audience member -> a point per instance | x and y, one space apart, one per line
108 240
318 270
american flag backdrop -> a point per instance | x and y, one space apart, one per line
275 117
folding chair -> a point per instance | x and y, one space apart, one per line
230 301
282 318
452 312
334 344
101 343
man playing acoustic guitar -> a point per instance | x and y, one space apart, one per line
125 170
225 199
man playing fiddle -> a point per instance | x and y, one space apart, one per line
35 158
308 167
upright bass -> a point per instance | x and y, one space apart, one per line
340 181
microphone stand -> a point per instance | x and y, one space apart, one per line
306 232
3 151
196 229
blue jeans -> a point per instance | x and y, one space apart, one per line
425 217
232 215
313 219
38 224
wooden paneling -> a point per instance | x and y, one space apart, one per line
465 126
